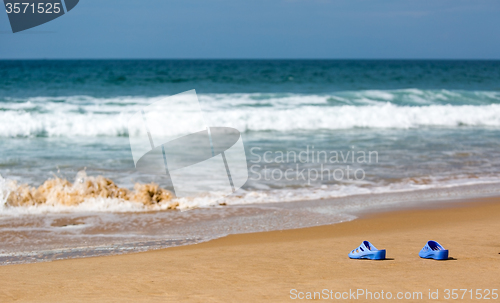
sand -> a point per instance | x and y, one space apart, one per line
267 266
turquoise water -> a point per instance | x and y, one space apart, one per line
111 78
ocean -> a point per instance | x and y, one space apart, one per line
325 140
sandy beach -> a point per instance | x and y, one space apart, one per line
216 151
280 265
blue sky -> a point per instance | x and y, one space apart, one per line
365 29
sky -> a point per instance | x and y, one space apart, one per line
266 29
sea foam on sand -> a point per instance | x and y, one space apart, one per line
61 192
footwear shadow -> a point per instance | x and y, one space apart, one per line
449 259
386 259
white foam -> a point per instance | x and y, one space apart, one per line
347 116
243 197
81 116
6 186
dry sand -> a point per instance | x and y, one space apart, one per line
266 266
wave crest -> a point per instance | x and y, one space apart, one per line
61 192
84 116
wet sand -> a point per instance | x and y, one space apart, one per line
267 266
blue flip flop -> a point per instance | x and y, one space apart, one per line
367 251
433 250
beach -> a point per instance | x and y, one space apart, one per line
269 266
251 151
100 202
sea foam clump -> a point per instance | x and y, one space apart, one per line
61 192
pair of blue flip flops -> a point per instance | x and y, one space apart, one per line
431 250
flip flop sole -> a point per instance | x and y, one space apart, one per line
436 255
376 255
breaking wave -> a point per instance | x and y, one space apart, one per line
77 116
86 193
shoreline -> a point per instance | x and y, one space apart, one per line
205 224
265 266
